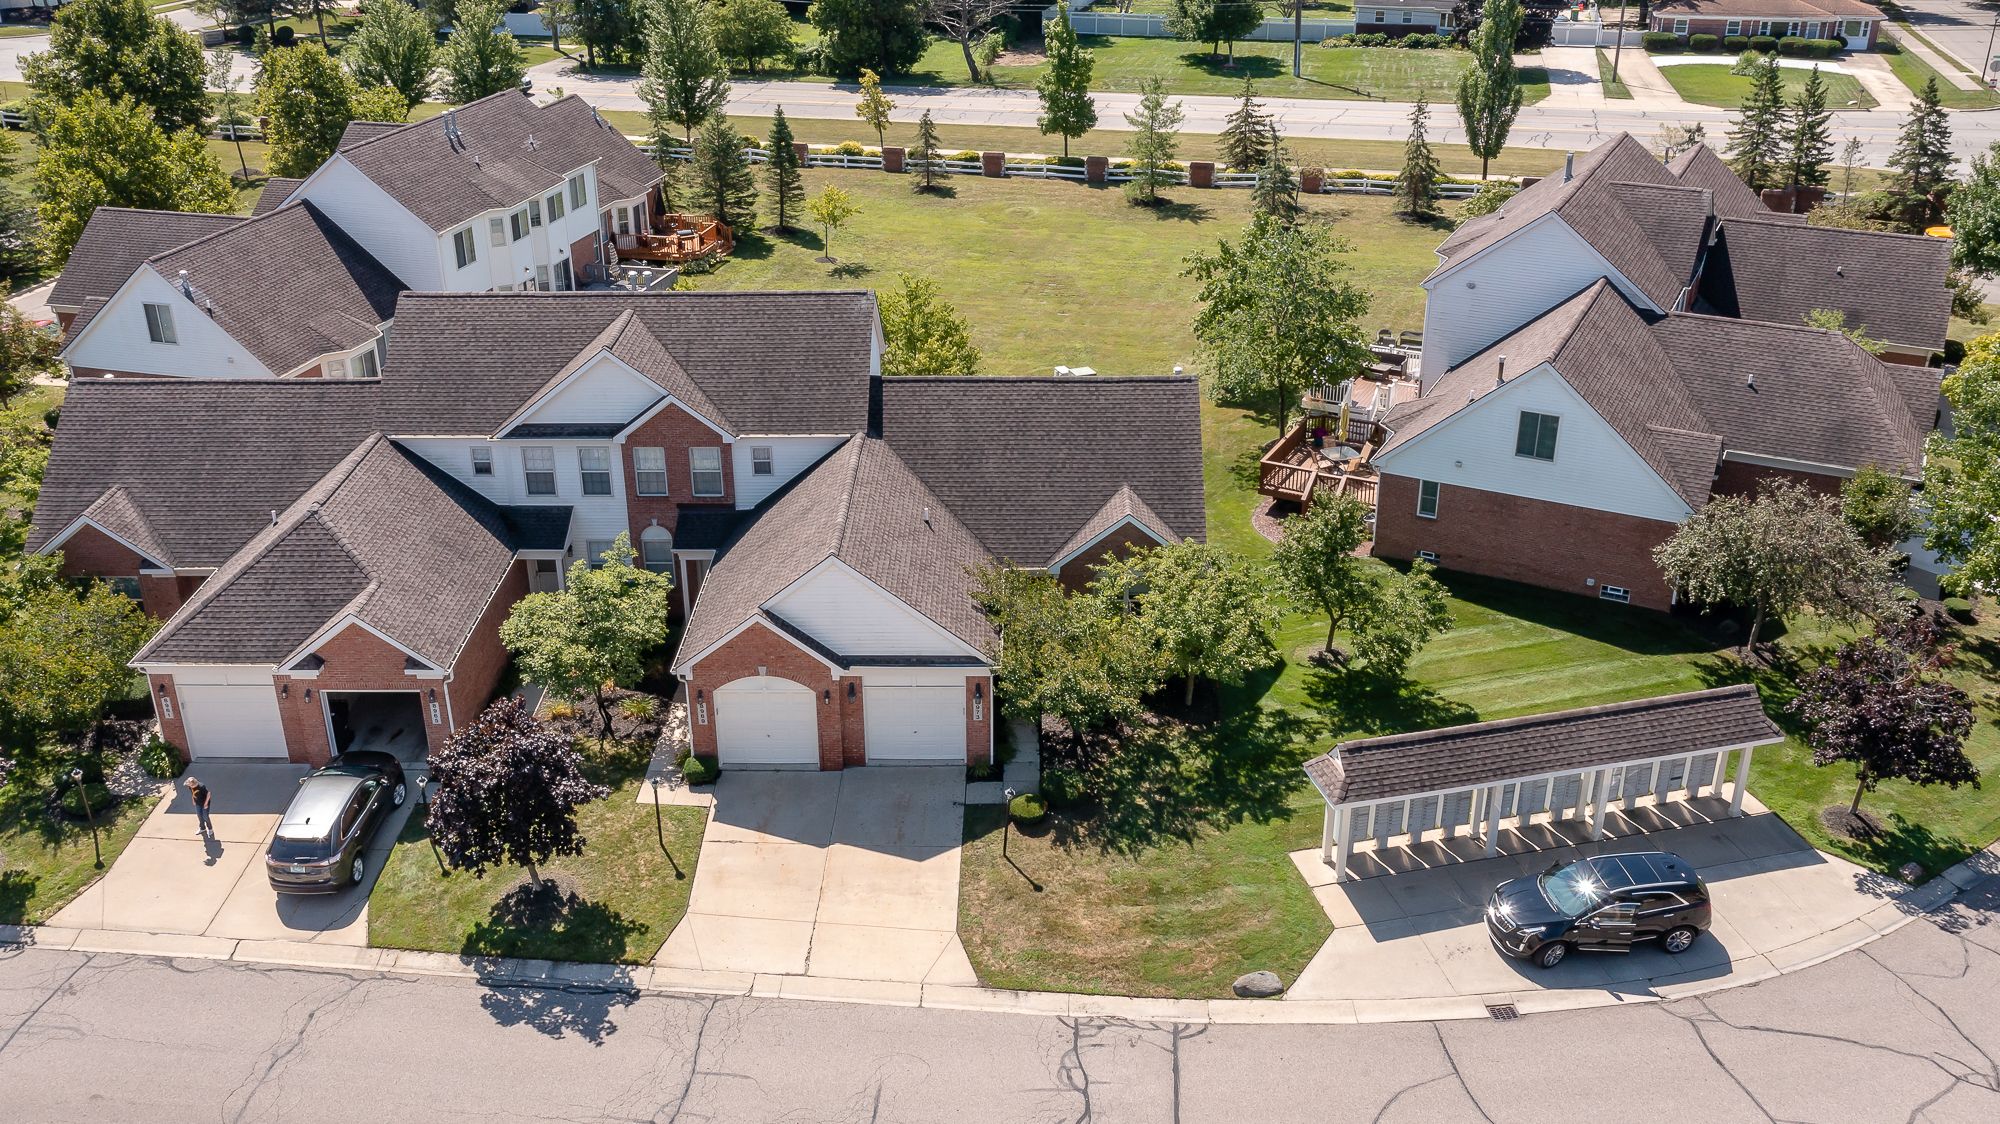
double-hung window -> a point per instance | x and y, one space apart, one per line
1680 27
1733 27
554 206
518 223
464 249
649 471
624 220
705 464
594 551
364 365
160 324
496 230
760 460
656 553
579 192
534 212
334 369
538 467
542 278
1427 499
1536 437
482 461
593 463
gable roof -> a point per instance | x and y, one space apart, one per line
1028 463
768 363
627 340
343 548
509 149
1423 761
1699 166
276 191
290 286
862 505
1769 9
117 240
1641 227
1891 286
1123 505
201 463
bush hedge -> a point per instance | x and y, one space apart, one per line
161 759
848 148
1417 42
100 800
698 770
1735 43
1027 808
1704 42
1959 608
1764 43
1662 42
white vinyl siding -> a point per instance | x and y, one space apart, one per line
117 339
554 205
518 224
789 457
418 255
705 471
853 616
605 390
649 470
496 231
579 192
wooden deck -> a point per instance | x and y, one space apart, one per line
686 238
1292 470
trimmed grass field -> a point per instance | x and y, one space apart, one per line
629 893
45 861
1613 87
1713 84
1914 72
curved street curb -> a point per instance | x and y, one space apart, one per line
504 972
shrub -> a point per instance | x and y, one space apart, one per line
1764 43
699 770
1060 785
161 759
1704 42
1661 41
561 711
1888 46
963 154
1959 608
848 148
243 34
1821 48
1792 45
638 707
811 58
1027 808
1491 195
73 799
983 771
284 36
1735 42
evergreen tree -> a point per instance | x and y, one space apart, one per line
1416 185
723 181
1922 159
686 82
394 46
1156 130
782 177
1277 190
1247 136
1756 142
927 152
1489 94
874 107
885 36
481 57
1809 140
120 49
1064 88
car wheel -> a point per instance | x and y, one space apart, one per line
401 793
358 871
1679 939
1552 954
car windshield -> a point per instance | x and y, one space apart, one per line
295 849
1573 889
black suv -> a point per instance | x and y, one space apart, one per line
322 839
1602 904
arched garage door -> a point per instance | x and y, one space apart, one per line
765 720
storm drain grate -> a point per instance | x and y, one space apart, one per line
1502 1012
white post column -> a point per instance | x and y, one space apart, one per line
1721 768
1326 833
1378 818
1476 814
1345 844
1742 781
1600 788
1493 821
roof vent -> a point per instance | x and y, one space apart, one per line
1569 166
187 289
1840 271
532 143
1750 380
927 515
1500 375
274 517
451 130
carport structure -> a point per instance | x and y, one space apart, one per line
1571 764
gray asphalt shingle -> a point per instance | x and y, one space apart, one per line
117 240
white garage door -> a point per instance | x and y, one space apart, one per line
765 720
914 723
239 720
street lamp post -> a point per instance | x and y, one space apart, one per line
1986 71
96 852
1007 821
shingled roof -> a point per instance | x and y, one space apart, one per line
116 241
290 286
768 363
344 547
1891 286
1769 9
1027 463
1699 166
276 191
510 149
1427 761
862 505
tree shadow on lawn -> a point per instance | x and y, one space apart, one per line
1639 631
1242 66
1358 704
537 921
1171 782
1169 210
1901 841
17 889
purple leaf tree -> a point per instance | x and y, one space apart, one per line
508 791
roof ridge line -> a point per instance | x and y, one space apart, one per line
847 495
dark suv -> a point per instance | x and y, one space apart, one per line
1605 903
320 843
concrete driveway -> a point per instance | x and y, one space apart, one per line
850 875
1421 933
171 880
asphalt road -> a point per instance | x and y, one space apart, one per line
1903 1030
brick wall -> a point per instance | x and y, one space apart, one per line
978 730
1736 478
758 646
583 258
356 660
1532 541
1078 571
90 553
170 726
480 665
676 431
162 595
853 731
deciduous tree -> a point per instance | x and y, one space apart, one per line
1489 93
395 46
611 31
885 36
782 177
1279 312
966 23
1156 130
593 634
686 82
25 352
1202 609
720 177
63 657
120 49
481 57
1756 142
1315 564
1880 706
1064 87
1072 657
1973 212
1778 552
747 32
228 87
922 334
508 789
307 101
1417 183
829 210
1402 616
98 153
1877 505
874 106
1962 472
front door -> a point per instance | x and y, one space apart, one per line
1611 928
546 577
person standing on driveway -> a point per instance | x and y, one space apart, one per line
198 792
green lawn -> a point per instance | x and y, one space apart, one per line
1914 72
46 861
1713 84
1060 273
1613 87
628 893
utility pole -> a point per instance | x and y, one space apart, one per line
1618 44
1298 37
1986 71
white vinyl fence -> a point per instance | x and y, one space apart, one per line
1141 25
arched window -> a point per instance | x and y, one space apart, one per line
656 549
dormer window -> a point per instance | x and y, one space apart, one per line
160 324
